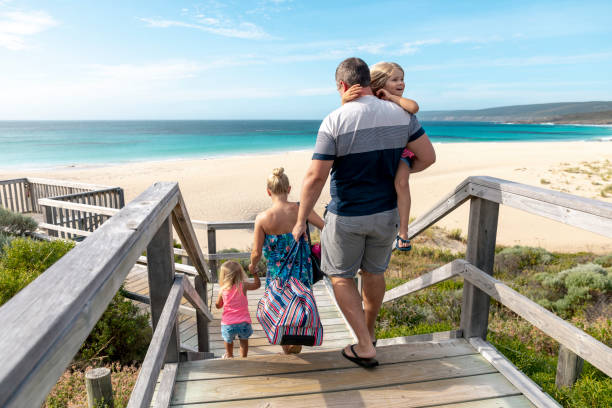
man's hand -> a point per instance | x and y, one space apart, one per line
299 230
351 94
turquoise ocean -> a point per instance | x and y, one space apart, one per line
46 144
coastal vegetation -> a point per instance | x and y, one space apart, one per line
575 286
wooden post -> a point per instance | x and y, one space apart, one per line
160 261
202 323
569 367
48 212
212 249
482 232
99 388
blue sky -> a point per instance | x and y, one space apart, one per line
275 59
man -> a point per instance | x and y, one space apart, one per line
361 143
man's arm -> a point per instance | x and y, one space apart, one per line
313 184
424 153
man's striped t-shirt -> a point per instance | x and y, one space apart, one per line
365 139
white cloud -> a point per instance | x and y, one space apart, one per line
372 48
15 25
414 46
225 28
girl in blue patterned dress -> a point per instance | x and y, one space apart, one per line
273 238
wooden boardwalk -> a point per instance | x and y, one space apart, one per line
336 331
449 373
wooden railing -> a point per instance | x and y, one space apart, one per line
15 195
44 325
90 211
485 195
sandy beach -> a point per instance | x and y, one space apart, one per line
233 188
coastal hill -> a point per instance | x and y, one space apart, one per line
598 112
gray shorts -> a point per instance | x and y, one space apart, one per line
351 243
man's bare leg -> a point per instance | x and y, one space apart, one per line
373 294
349 300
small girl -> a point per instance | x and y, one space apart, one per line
387 82
236 319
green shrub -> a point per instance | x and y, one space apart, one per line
605 260
513 260
15 223
24 259
121 335
575 285
5 239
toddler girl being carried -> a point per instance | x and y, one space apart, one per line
387 82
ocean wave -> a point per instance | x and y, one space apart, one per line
604 139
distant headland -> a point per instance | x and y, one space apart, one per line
594 113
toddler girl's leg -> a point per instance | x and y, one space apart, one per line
403 199
244 347
229 349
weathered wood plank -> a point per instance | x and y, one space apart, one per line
192 296
223 225
344 379
201 320
557 198
412 395
77 206
590 349
186 269
44 325
184 229
549 208
482 234
59 228
166 385
445 206
327 360
160 260
65 183
523 383
569 367
517 401
149 371
424 281
431 337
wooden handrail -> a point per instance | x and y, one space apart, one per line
585 213
149 371
579 342
584 345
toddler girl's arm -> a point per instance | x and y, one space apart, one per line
256 282
351 94
406 104
219 303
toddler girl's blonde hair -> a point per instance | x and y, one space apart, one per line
380 73
231 274
278 182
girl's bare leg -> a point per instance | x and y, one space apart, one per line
244 347
403 199
229 349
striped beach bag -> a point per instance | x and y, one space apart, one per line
288 311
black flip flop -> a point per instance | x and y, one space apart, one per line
360 361
399 239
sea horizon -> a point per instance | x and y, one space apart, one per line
51 144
